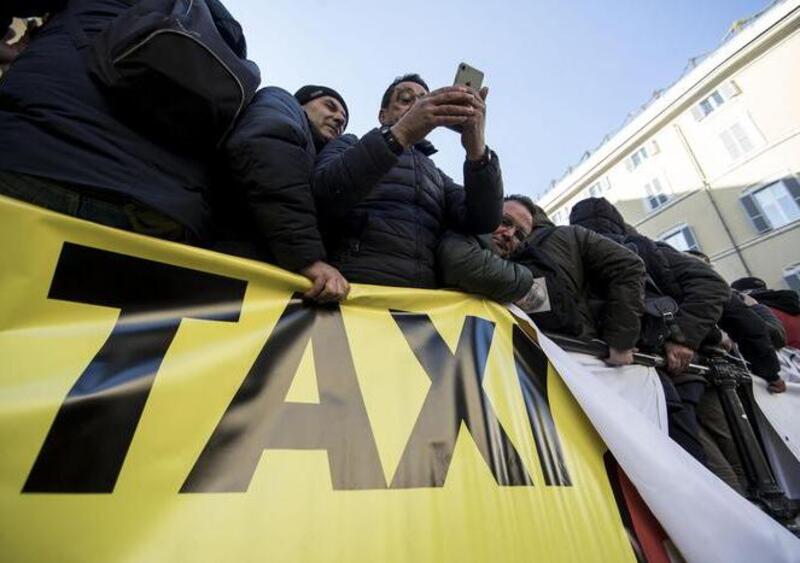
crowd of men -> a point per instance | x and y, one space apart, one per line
289 187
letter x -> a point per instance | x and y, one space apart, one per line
456 395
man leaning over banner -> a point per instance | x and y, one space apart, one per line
384 204
699 294
554 274
269 161
571 262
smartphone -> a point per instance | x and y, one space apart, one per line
468 76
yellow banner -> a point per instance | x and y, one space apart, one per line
165 403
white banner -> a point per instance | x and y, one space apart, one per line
781 432
706 519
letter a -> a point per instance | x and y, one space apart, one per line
258 418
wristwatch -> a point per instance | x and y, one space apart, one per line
391 140
482 161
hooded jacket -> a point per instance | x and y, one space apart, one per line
588 264
382 214
55 122
699 291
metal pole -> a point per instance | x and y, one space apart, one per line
725 376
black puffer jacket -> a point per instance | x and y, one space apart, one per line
471 263
55 123
699 291
382 215
267 200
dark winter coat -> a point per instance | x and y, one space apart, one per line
383 215
786 306
699 291
777 334
752 336
56 123
471 263
267 199
588 264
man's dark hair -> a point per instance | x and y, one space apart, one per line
526 202
412 77
700 255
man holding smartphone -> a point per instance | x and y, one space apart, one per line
382 202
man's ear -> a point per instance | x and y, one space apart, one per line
381 116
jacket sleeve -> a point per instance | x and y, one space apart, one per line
463 263
347 169
477 207
777 333
751 335
704 294
271 167
619 274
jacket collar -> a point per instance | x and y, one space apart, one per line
426 147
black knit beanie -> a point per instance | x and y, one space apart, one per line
311 92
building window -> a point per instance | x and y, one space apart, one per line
711 103
639 157
681 238
596 190
655 194
714 100
641 154
738 142
561 217
773 205
791 276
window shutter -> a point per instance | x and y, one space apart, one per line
652 147
691 240
754 212
697 112
729 89
792 278
629 164
742 139
730 144
793 185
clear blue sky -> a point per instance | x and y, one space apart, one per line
561 73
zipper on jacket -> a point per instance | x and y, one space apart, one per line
417 210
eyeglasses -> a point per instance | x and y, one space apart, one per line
519 233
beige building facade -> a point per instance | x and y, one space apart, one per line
713 163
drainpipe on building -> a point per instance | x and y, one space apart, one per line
707 189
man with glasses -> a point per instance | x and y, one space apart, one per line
480 263
383 203
508 268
